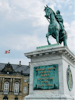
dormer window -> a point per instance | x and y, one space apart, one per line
8 69
7 72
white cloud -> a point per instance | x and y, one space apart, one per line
21 42
59 6
18 10
25 42
21 10
66 2
24 61
53 6
71 35
74 13
70 7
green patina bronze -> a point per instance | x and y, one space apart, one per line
45 77
46 46
69 79
56 27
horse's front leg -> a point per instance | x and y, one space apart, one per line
48 39
57 37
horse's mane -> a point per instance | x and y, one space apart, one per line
52 11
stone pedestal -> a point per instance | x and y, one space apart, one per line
56 55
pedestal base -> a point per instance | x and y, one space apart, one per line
50 56
48 97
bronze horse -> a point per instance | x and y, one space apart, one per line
54 28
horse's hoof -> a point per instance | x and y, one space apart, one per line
49 43
46 36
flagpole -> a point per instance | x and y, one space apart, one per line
8 52
9 57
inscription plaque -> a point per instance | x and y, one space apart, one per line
46 77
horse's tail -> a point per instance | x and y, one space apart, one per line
66 34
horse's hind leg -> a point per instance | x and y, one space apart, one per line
57 37
65 41
48 39
64 38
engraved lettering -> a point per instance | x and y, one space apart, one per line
44 72
48 84
40 78
40 69
42 85
50 68
45 75
45 82
49 78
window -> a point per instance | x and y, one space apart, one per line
16 98
6 87
16 88
25 90
25 80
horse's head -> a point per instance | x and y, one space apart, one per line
47 11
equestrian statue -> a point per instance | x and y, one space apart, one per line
56 27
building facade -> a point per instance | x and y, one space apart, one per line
14 81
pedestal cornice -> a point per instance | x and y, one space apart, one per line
52 50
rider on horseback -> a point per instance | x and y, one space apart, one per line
56 27
60 20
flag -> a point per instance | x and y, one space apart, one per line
8 51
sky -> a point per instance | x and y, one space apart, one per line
23 27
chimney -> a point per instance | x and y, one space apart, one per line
19 63
29 64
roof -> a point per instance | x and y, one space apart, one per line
23 68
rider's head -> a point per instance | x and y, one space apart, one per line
57 12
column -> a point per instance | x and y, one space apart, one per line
21 85
2 84
11 84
